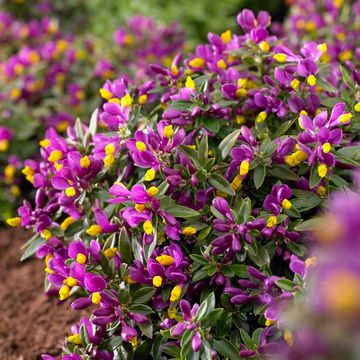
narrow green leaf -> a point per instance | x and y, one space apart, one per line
349 151
248 341
146 329
93 122
347 78
32 247
141 309
259 175
203 150
205 307
227 143
211 124
285 284
199 259
310 225
125 247
314 177
212 317
220 183
226 349
283 172
181 211
143 295
306 200
244 211
326 86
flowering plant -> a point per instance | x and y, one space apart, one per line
327 293
49 78
176 213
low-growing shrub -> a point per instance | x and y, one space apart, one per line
179 213
48 79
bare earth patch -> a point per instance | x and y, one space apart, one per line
31 323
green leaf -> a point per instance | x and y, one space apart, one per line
204 233
79 130
205 307
74 228
212 317
171 350
192 154
211 124
125 247
181 211
93 122
143 349
147 329
346 160
32 246
206 350
220 183
240 270
261 257
350 151
269 148
283 172
310 225
156 347
248 341
162 188
338 181
347 78
283 128
104 262
185 344
141 309
199 259
331 102
143 295
244 211
259 175
285 284
123 295
84 336
297 249
306 200
256 336
326 86
199 275
314 177
224 324
203 150
181 105
228 142
226 349
293 212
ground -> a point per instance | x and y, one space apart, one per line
31 323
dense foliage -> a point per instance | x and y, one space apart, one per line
179 213
49 78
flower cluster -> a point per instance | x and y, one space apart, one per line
50 77
327 286
176 213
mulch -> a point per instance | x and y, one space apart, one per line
31 323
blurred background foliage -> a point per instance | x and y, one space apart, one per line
102 17
196 17
96 20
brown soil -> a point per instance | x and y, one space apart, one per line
30 322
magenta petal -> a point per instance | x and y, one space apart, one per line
94 283
178 329
59 182
196 342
